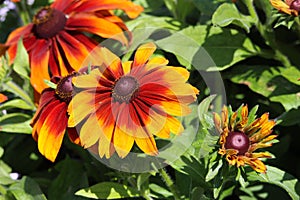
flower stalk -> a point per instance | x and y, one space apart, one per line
267 35
169 183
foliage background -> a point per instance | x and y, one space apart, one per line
256 50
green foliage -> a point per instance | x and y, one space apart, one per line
108 190
228 13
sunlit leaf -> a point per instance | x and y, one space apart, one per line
208 48
269 82
16 103
23 127
108 190
203 109
160 190
228 13
280 178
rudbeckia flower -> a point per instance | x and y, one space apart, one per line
125 103
56 42
51 118
291 7
241 135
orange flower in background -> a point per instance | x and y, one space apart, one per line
241 135
291 7
51 119
56 42
3 98
3 49
120 104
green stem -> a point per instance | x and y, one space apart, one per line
147 197
169 183
267 35
24 12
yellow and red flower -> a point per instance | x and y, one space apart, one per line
56 42
122 103
51 119
291 7
241 135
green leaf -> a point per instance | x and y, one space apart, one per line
17 128
228 13
214 168
4 169
184 8
290 118
280 178
21 62
108 190
203 109
208 48
207 7
51 84
269 82
15 89
13 118
27 189
16 103
152 22
160 190
1 151
150 5
15 123
292 74
252 114
205 141
143 179
6 180
198 194
72 176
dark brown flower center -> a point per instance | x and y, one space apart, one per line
48 22
295 5
238 141
64 88
125 89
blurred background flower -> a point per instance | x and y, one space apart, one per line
5 7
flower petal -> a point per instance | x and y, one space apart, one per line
90 131
147 145
74 50
39 58
51 133
57 64
74 136
143 54
256 164
131 9
62 5
283 7
122 142
3 98
15 35
93 24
